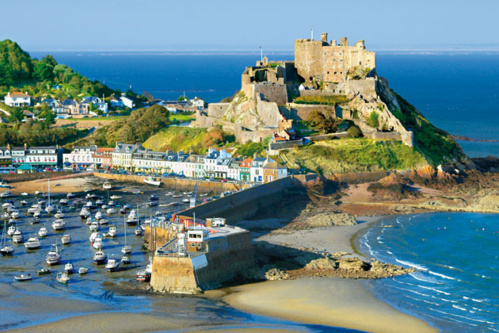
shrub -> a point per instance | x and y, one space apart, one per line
373 119
322 100
354 132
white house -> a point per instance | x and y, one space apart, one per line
79 157
128 102
43 156
256 170
197 103
122 155
17 99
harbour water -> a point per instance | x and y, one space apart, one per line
457 261
455 91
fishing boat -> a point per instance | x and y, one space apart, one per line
43 232
63 202
6 194
125 260
66 239
112 265
70 195
100 257
152 181
97 243
112 232
62 277
23 277
132 218
144 275
53 257
43 271
107 185
115 197
59 224
84 213
17 237
68 268
82 270
5 250
32 243
139 231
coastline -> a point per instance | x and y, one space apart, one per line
347 303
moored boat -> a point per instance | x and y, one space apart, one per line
62 277
43 271
112 265
125 260
17 237
23 277
42 232
84 213
152 181
107 185
59 225
53 257
82 270
66 239
32 243
68 268
100 257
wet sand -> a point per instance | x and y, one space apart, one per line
56 186
325 301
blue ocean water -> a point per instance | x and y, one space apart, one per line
456 256
456 92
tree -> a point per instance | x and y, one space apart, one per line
16 115
182 98
43 71
5 78
322 122
354 132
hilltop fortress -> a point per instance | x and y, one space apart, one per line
266 105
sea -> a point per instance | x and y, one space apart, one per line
456 91
456 257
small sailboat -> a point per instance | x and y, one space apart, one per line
24 203
139 231
103 222
62 277
5 250
115 197
24 194
49 209
126 249
6 194
53 257
111 211
93 236
97 244
132 218
94 226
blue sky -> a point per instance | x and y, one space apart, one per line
57 25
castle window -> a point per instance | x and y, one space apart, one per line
335 73
328 72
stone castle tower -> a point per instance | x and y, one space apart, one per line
330 62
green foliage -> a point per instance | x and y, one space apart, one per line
250 148
354 132
436 144
139 126
355 114
373 119
322 100
322 122
356 155
182 98
37 134
16 62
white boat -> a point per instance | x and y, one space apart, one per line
88 189
68 268
139 231
103 221
144 275
63 202
93 236
24 203
125 260
23 277
32 243
82 270
186 200
112 232
177 196
152 181
12 229
49 209
6 205
42 232
94 226
112 265
59 224
66 239
104 207
70 196
37 214
98 215
5 250
6 194
59 214
62 277
84 213
97 244
110 203
115 197
24 193
126 249
34 208
17 237
107 186
53 257
100 257
169 194
99 202
37 192
111 211
132 218
15 214
90 205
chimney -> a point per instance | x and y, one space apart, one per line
25 146
324 37
254 155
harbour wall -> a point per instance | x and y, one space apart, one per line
181 184
227 257
245 204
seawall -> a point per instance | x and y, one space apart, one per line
181 184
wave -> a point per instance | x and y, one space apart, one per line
411 264
435 290
418 277
460 308
443 276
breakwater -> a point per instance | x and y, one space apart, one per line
180 184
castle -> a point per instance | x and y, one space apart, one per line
264 106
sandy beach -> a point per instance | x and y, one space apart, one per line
337 302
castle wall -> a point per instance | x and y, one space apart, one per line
308 60
302 111
272 92
268 112
173 274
